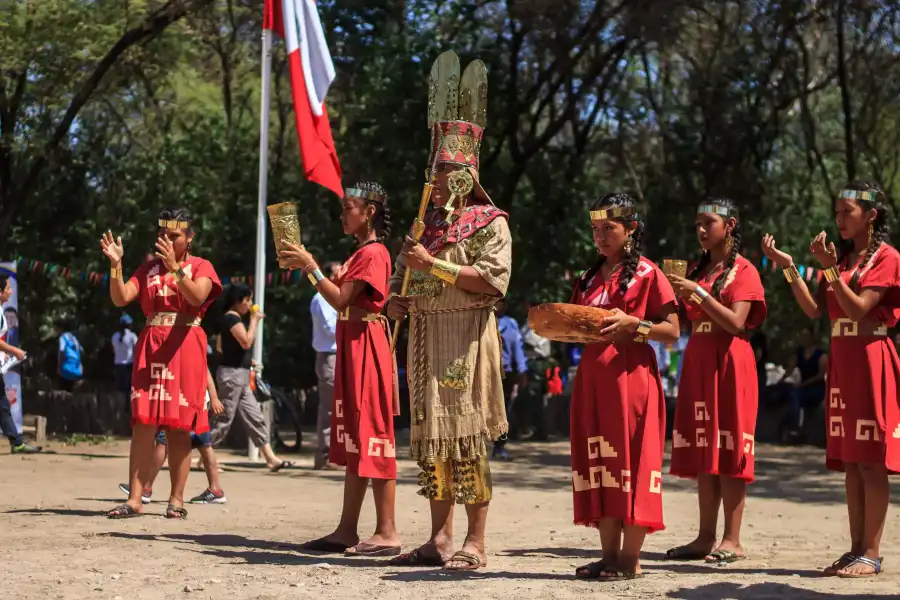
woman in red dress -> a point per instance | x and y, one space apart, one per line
365 391
715 414
859 288
169 377
618 415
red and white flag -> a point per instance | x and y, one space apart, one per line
297 21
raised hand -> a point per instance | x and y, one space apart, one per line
779 257
823 250
165 251
112 248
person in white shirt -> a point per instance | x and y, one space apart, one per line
123 342
324 323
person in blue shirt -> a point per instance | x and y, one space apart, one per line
324 323
515 367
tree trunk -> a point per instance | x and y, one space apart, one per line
846 103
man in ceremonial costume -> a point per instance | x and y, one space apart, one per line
458 271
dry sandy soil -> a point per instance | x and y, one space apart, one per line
56 544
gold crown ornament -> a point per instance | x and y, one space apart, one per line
457 116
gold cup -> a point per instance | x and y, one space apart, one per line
675 266
285 224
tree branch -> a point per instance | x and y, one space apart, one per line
152 27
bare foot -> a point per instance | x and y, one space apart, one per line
695 550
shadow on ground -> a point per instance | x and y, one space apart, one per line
762 591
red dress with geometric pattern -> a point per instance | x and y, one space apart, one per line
864 371
718 394
362 416
618 412
168 382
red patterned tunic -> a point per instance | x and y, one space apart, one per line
718 395
618 415
362 417
864 371
169 376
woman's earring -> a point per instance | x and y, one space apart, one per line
871 231
629 245
729 243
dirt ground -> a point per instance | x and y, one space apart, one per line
56 544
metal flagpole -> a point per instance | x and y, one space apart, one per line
259 281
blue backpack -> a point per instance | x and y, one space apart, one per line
71 358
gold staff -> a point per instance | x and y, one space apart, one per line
441 100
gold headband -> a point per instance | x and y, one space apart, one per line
865 195
364 195
715 209
612 213
173 224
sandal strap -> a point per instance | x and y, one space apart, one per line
178 510
122 509
847 556
593 569
865 560
466 557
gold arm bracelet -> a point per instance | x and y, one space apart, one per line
791 274
643 332
315 276
699 296
831 274
115 273
445 270
178 275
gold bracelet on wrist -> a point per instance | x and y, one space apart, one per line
316 276
178 275
115 273
446 271
831 274
699 296
791 273
643 332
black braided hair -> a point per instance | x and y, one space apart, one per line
719 283
881 231
629 260
381 222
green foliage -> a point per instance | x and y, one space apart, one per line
669 101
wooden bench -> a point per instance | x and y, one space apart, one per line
36 425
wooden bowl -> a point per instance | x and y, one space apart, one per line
567 322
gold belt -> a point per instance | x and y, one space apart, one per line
170 319
845 327
353 313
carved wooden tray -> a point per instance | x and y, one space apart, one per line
567 322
